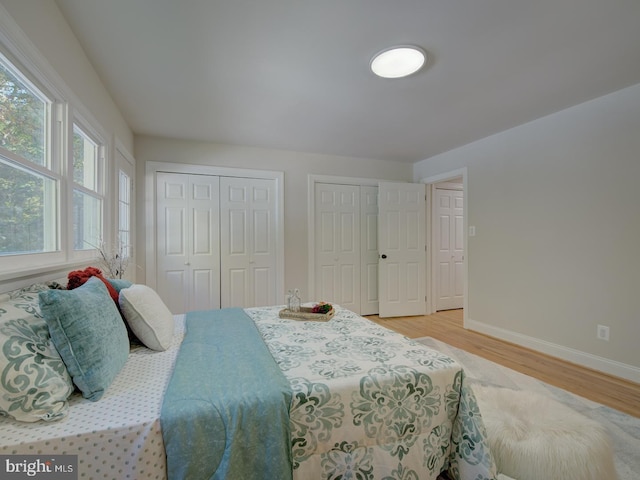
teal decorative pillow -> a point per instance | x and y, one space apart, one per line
119 283
89 334
34 382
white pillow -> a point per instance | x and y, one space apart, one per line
147 316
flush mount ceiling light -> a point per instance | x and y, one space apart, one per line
398 62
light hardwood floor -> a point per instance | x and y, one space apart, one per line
447 327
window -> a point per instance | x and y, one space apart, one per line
124 209
27 219
24 115
87 191
29 188
124 213
52 175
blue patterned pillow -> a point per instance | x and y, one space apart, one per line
34 383
89 333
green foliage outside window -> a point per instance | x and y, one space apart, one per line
22 192
21 211
22 119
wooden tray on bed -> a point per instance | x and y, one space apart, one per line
306 313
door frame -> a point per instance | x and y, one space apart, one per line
151 168
312 179
435 231
431 271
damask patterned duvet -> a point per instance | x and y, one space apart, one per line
371 404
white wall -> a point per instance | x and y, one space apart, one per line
296 167
48 31
556 206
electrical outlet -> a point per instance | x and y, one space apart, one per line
602 333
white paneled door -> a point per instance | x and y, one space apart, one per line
368 250
354 225
216 241
248 242
337 244
402 249
188 258
449 234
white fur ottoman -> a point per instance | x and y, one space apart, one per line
533 437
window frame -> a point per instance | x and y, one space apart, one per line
49 169
63 111
99 193
125 163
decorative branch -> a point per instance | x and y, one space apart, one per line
114 261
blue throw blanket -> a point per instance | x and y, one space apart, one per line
225 413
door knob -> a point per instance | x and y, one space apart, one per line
383 256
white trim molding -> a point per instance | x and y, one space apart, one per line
431 271
601 364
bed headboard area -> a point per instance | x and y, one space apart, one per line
72 333
10 284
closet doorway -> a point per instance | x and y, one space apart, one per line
217 236
345 236
350 220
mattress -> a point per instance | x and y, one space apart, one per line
117 437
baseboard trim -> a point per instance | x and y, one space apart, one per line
605 365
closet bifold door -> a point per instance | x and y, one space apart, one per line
188 241
248 250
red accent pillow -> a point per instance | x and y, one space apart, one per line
78 277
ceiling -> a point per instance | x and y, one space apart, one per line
294 75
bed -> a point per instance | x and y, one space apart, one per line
365 402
